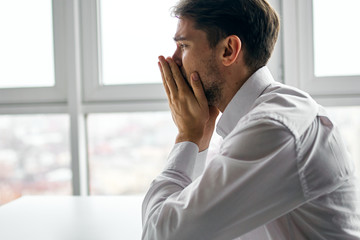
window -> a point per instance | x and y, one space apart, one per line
73 55
121 62
26 47
122 87
128 150
97 121
336 47
321 48
321 57
32 51
34 156
131 40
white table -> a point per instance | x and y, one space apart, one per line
72 218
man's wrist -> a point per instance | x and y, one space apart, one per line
201 143
187 138
203 146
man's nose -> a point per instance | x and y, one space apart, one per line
177 57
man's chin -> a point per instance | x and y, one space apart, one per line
213 96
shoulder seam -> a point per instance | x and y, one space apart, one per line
277 118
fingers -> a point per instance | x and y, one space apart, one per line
167 90
168 80
172 72
175 84
179 79
198 89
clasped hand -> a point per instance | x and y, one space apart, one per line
194 118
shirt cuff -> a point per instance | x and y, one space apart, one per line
199 164
182 158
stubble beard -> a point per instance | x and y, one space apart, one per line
212 82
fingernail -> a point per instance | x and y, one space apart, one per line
195 77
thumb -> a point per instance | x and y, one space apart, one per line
198 88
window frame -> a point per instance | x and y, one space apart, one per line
54 94
299 59
94 91
78 93
67 96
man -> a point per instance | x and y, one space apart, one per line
282 171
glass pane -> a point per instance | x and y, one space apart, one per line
26 44
132 39
336 37
128 150
348 120
34 156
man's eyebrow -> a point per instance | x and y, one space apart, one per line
180 38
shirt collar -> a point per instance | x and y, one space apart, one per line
241 103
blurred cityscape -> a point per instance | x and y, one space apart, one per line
126 151
34 156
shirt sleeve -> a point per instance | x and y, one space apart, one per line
199 165
253 180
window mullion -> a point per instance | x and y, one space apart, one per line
77 118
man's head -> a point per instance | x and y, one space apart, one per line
223 40
254 21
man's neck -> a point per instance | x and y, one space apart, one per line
231 88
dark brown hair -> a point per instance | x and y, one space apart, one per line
255 22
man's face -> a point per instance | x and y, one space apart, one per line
193 54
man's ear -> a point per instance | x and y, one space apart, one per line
231 49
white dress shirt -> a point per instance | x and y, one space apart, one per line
282 172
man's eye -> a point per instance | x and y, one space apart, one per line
182 46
